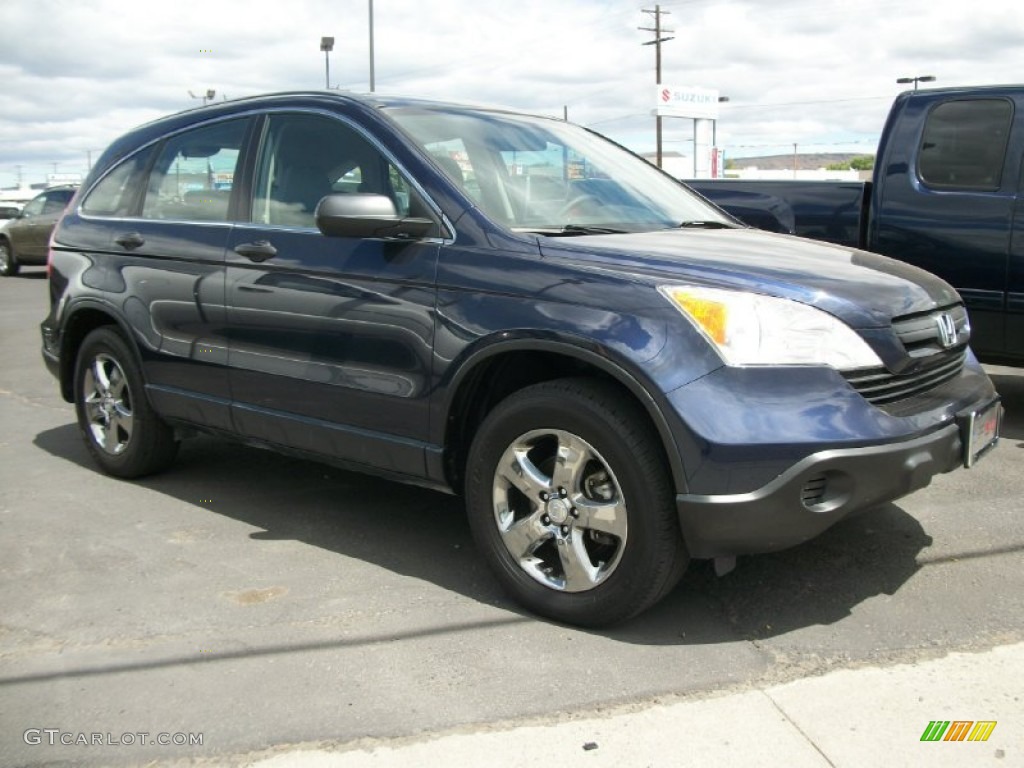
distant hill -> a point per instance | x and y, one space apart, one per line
804 162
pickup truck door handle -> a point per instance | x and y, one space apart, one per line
130 240
261 250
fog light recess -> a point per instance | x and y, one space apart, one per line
826 492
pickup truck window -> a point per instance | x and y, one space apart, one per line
964 144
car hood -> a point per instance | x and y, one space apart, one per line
863 289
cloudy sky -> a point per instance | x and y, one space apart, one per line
819 73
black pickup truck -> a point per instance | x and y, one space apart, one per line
947 195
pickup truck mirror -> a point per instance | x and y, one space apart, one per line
366 214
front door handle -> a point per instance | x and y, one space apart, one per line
261 250
130 240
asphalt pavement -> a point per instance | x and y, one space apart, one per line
287 613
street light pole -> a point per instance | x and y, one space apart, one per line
208 96
372 83
714 131
327 45
915 80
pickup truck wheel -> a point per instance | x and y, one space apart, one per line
122 432
569 500
9 265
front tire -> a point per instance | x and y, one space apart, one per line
123 433
569 499
9 265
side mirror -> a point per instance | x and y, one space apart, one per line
366 214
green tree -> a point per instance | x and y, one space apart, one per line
858 163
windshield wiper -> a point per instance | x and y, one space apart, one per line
579 229
705 224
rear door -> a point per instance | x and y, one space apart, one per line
168 254
330 338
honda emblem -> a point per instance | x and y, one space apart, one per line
947 330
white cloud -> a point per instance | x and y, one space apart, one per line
819 73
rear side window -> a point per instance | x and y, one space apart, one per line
964 144
115 195
194 173
57 200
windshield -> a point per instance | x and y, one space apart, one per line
543 175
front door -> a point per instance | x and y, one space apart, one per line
1015 273
330 338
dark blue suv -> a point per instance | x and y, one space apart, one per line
617 375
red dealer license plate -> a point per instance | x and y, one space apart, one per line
980 431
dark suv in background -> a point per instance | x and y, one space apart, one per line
25 237
617 375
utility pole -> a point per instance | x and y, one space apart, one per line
656 42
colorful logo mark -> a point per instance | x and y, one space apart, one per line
958 730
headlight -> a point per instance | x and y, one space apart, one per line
750 329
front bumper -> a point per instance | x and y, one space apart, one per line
814 494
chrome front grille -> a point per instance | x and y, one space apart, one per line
920 333
935 342
878 386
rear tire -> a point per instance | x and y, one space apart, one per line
9 265
123 433
569 500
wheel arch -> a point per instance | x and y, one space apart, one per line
492 373
80 322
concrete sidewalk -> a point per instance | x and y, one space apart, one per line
850 718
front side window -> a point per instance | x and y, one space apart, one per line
194 173
305 157
548 176
964 144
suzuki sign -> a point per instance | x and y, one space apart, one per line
687 101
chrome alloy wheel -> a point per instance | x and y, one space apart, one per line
560 511
108 405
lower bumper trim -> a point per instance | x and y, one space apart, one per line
814 494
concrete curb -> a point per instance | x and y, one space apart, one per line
848 718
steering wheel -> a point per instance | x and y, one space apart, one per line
579 204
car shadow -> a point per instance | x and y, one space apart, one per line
817 583
424 534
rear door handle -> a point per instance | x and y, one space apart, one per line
261 250
130 240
